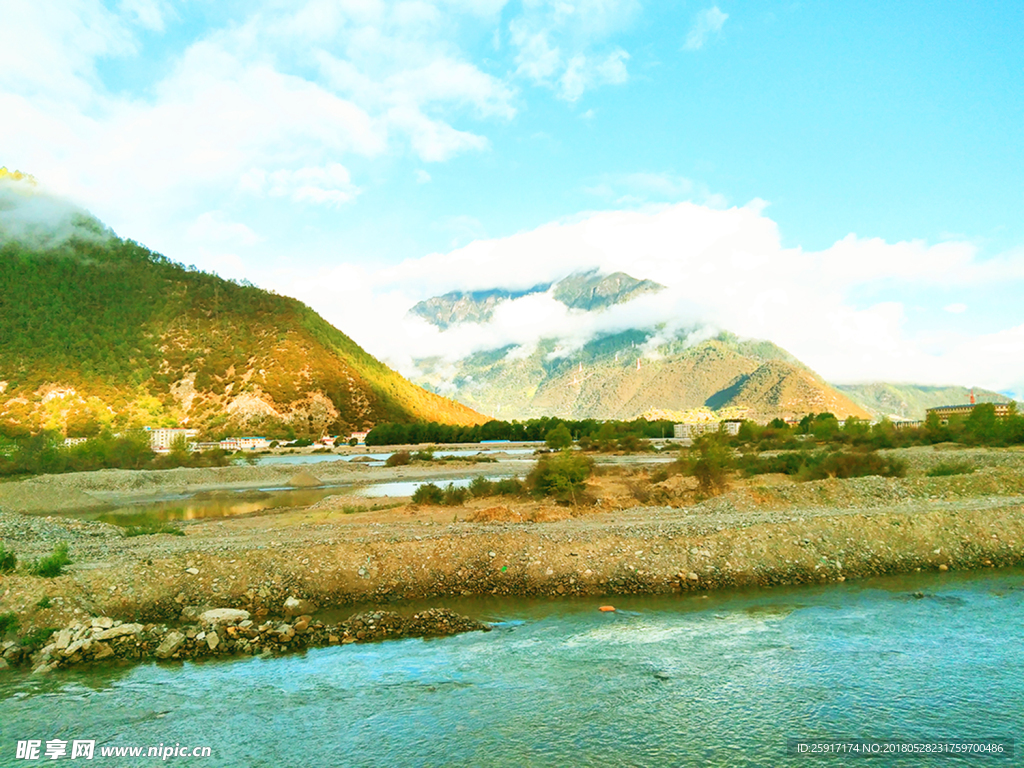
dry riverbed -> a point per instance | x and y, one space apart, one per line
639 536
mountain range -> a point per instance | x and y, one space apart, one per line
622 375
99 331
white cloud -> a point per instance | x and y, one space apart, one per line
956 309
563 45
422 177
705 24
724 268
147 13
327 184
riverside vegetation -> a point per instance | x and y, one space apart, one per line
774 505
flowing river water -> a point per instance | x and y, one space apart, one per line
719 680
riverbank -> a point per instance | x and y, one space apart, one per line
766 531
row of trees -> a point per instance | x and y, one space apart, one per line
981 427
533 429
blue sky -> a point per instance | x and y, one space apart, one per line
342 151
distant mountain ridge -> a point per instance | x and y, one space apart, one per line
910 401
589 290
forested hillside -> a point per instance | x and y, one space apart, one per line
98 331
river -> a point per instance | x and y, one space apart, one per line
721 680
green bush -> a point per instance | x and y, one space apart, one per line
481 486
711 467
428 493
35 639
509 486
8 560
424 454
558 438
45 602
562 475
8 623
846 465
947 468
399 459
52 566
455 496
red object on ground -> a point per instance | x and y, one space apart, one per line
607 608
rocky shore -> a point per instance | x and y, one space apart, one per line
221 632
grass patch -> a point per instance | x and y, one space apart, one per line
8 623
46 602
36 638
153 528
947 468
351 509
8 560
53 565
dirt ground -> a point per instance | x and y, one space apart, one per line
635 535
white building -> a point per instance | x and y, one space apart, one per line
160 439
244 444
697 428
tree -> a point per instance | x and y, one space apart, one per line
712 467
558 438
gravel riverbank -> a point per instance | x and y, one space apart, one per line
766 531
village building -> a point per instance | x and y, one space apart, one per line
947 412
233 444
161 438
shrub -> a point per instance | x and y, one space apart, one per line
711 468
558 438
846 465
455 496
425 454
8 623
8 560
399 459
509 486
45 602
52 566
428 493
945 469
562 475
35 639
481 486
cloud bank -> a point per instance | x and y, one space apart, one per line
723 267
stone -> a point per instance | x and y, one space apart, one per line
193 571
63 639
296 606
943 567
102 651
218 616
4 665
691 576
75 647
114 632
213 640
172 641
102 622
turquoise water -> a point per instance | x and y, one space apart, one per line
721 681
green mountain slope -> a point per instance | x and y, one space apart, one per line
910 401
99 331
603 379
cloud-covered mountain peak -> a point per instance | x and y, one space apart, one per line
588 290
